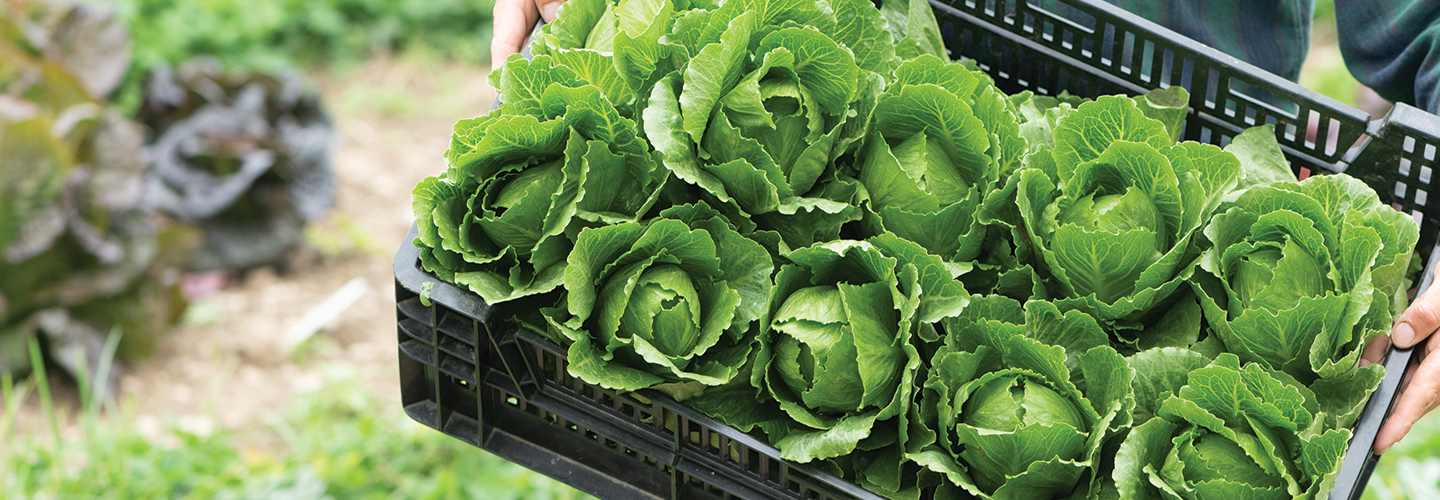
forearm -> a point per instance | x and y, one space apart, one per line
1393 47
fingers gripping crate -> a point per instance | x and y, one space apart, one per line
1397 163
507 391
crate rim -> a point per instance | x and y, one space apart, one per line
1245 72
1291 90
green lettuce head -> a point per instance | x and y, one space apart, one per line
1010 416
666 305
835 346
1300 276
1115 208
496 220
772 95
942 137
83 251
614 45
1231 433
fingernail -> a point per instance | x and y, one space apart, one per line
1385 449
1364 362
1403 335
550 10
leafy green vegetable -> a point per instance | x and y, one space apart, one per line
1010 414
913 29
941 138
841 190
81 252
243 157
1231 432
1116 219
758 117
616 46
1300 276
669 304
835 345
270 35
496 220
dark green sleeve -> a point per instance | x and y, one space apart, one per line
1393 46
1271 34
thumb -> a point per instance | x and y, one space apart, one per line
1419 320
549 9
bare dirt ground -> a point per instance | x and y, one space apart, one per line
228 367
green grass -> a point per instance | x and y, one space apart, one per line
268 35
340 442
1411 469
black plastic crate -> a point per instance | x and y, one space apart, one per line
506 390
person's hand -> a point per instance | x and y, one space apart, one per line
1422 382
514 19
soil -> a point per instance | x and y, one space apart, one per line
228 366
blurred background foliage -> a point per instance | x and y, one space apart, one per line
341 442
1411 469
64 62
268 35
80 251
1324 70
